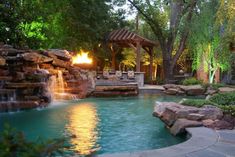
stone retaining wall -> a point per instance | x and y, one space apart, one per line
31 78
177 117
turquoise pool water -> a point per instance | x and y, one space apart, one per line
104 125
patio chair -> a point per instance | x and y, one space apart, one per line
118 74
131 75
105 74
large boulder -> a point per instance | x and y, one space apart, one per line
171 91
193 90
211 91
167 86
180 125
226 89
169 112
217 124
8 50
211 112
25 85
2 61
60 54
36 58
16 105
60 63
177 117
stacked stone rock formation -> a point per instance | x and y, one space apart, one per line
193 90
178 117
25 77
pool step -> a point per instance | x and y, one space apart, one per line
116 90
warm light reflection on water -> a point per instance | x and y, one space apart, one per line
81 126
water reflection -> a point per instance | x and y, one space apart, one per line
82 127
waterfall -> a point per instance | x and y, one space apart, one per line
60 82
57 88
8 100
52 86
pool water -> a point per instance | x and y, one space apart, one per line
103 125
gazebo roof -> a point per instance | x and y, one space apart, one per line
124 38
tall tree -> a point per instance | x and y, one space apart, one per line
169 21
70 24
210 41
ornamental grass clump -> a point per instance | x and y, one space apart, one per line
225 101
224 98
196 102
191 81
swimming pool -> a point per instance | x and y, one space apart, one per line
104 125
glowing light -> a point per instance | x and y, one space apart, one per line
82 127
81 58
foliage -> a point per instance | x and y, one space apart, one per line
225 20
196 102
129 59
224 98
67 24
159 81
229 109
214 86
33 32
170 23
191 81
225 101
210 49
14 144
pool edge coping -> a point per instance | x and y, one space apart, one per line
201 139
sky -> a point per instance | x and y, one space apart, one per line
131 14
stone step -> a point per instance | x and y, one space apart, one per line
25 85
6 91
114 93
5 78
8 106
7 95
116 88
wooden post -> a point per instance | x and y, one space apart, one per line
113 55
113 60
138 47
151 64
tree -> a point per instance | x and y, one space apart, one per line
9 20
207 41
169 21
69 24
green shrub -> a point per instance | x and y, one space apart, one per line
191 81
217 85
224 98
14 144
225 101
159 81
214 86
229 109
196 102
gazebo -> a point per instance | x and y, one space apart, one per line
127 39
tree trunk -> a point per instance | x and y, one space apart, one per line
168 72
178 9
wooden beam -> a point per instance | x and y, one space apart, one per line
132 46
